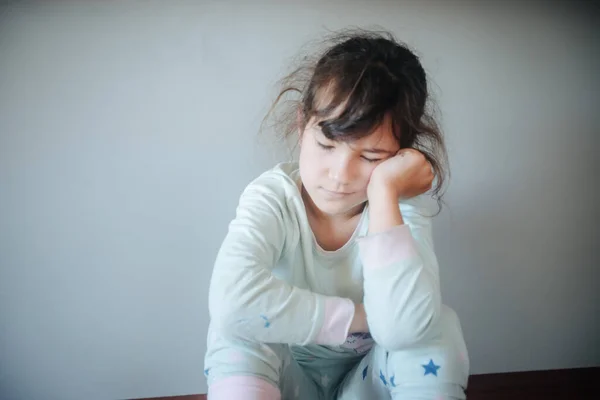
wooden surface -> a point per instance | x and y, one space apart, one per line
567 384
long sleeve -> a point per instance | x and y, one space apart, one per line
401 280
246 301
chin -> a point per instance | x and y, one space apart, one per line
337 208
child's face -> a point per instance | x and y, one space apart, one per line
336 174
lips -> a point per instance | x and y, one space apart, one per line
337 194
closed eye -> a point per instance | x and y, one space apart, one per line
324 146
371 160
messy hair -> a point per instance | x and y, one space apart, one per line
350 87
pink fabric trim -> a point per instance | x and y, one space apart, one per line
386 248
339 313
243 388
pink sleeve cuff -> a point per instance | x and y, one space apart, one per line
386 248
337 319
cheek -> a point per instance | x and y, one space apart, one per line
309 167
371 168
366 171
311 159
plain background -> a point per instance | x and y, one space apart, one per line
128 130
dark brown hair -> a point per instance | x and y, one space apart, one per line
351 86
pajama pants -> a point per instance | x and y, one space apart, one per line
434 369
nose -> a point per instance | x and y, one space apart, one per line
340 171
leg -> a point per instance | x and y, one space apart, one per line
243 370
364 380
437 369
243 387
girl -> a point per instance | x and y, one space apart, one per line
326 285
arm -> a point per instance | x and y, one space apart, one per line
246 301
401 282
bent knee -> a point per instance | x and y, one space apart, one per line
262 361
441 360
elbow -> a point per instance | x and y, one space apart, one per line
228 323
407 330
225 316
231 312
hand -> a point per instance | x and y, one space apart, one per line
359 322
405 175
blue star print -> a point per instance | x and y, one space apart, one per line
267 323
206 372
392 380
365 372
431 368
382 378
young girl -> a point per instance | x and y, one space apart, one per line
327 285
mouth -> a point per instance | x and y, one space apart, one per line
336 194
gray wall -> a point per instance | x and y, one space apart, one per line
128 130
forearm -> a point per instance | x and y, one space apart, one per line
402 298
384 212
402 303
271 311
